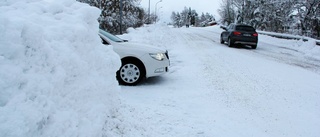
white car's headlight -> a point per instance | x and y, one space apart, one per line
158 56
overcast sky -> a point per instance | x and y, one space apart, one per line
210 6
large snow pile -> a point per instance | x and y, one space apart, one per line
56 78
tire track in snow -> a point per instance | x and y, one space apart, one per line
215 90
249 84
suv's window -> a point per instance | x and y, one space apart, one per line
245 28
230 27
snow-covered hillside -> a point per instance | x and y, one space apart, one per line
56 78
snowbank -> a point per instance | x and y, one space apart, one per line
309 47
56 78
304 45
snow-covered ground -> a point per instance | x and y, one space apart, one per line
214 90
57 79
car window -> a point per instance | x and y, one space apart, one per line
245 28
110 36
229 27
104 41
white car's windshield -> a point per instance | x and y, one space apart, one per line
110 36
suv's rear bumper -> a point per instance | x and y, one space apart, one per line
245 40
245 43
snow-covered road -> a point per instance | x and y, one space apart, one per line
213 90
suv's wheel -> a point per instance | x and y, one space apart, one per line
230 42
221 40
130 73
254 46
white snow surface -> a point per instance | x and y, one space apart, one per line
57 79
213 90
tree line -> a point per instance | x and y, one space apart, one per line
190 17
301 17
132 15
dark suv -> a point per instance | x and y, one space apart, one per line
239 34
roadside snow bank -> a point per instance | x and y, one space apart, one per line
56 78
309 47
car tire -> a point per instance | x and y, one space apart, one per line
130 73
221 40
254 46
230 42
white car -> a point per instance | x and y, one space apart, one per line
138 60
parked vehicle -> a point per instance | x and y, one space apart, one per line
239 34
138 60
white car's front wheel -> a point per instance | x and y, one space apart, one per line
130 73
